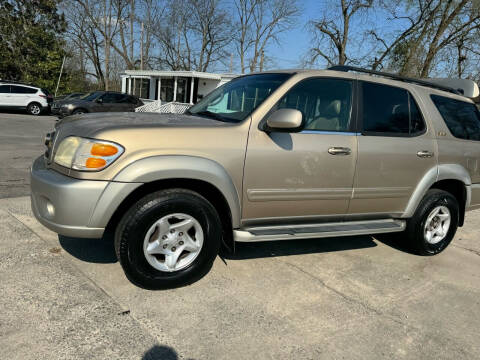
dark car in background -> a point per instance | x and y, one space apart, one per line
74 95
99 101
60 100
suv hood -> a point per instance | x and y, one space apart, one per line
88 125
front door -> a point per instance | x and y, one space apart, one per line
5 95
395 151
306 176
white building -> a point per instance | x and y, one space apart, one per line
185 87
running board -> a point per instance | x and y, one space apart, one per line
307 231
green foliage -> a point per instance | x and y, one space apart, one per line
30 42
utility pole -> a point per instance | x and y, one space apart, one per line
141 49
231 63
59 76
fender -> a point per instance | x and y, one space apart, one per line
164 167
438 173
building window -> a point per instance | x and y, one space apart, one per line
141 88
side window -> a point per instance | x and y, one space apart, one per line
390 111
462 118
14 89
4 89
132 100
112 98
30 90
326 104
23 90
122 99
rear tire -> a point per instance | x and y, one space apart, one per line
167 239
434 224
34 109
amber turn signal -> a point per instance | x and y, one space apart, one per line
103 150
95 163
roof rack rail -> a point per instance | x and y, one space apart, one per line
396 77
16 82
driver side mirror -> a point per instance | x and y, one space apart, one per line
99 100
285 120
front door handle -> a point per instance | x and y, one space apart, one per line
425 154
339 151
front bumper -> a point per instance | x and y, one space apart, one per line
72 207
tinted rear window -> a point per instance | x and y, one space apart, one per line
15 89
462 118
390 111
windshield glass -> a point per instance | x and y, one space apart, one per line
237 99
91 96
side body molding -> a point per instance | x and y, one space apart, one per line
438 173
184 167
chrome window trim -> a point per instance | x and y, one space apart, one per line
323 132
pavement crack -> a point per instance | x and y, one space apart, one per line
476 252
339 293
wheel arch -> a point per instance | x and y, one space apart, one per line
452 178
204 176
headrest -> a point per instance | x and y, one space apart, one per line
400 109
332 109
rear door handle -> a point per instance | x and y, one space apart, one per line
425 154
339 151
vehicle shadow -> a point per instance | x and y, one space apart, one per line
395 241
23 112
298 247
100 251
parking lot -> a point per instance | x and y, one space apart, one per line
341 298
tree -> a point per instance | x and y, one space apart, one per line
332 32
192 34
30 44
434 27
259 24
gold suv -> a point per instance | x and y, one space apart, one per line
268 156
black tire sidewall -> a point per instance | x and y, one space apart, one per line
433 199
136 224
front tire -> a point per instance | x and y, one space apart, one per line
167 239
34 109
434 224
78 112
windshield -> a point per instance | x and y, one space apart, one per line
91 96
237 99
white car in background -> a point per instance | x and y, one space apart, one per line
15 95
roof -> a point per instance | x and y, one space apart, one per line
165 73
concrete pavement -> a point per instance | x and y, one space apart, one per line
343 298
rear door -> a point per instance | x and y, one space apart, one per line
18 95
115 102
395 150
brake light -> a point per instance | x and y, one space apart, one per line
42 96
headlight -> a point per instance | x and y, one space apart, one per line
86 154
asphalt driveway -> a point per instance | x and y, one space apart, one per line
342 298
